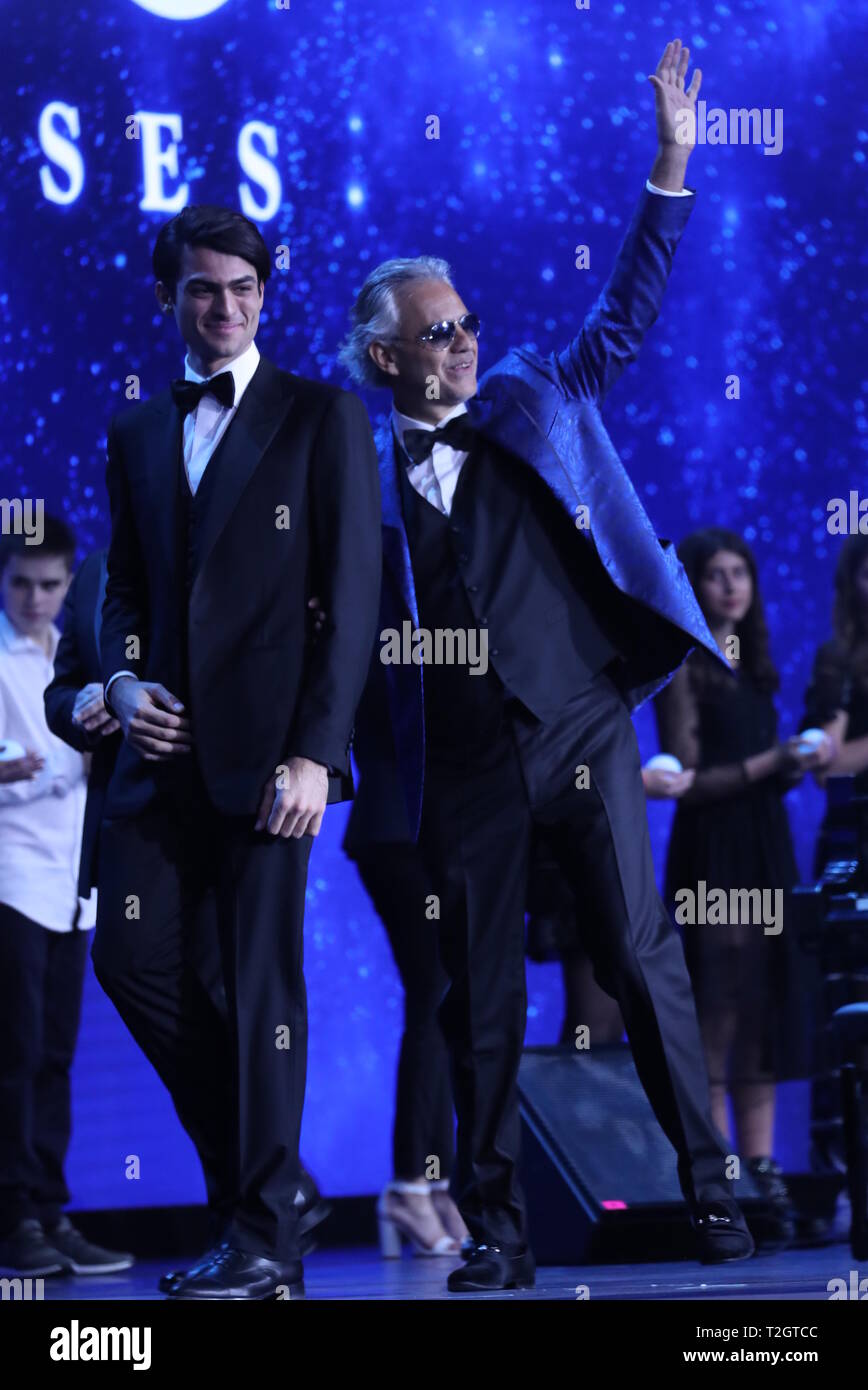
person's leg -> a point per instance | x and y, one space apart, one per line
399 886
587 1005
476 839
23 947
600 831
751 1070
66 958
753 1104
152 884
260 916
423 1132
717 1026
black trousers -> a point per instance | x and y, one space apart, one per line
41 983
398 884
236 1073
478 817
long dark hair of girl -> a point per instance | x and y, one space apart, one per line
694 552
850 615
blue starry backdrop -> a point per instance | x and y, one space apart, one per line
312 119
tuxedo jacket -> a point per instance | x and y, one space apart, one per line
546 412
260 692
77 664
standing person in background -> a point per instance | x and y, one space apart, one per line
416 1204
731 831
74 704
836 701
837 698
45 923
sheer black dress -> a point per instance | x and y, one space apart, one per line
731 833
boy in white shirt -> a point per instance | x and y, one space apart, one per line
44 925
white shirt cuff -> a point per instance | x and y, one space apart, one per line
668 192
111 681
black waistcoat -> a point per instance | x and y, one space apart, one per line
509 559
191 514
459 707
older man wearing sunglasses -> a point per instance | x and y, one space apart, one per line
506 509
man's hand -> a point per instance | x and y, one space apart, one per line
90 712
151 718
676 116
294 800
674 126
21 769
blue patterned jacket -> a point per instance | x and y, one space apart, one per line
546 410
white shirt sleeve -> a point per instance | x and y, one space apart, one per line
111 681
668 192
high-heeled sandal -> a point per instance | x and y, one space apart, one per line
395 1224
450 1217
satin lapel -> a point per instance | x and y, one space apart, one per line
502 415
160 454
264 407
396 548
100 596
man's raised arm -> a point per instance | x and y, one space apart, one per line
612 333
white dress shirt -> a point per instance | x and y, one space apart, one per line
435 478
41 820
205 426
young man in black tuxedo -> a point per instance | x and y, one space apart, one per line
75 711
235 496
508 515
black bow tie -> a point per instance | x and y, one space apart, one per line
188 394
458 433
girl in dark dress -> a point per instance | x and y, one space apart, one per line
731 831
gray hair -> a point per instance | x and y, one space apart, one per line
374 315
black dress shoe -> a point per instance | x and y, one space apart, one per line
231 1273
721 1231
775 1227
312 1210
487 1267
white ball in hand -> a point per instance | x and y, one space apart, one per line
663 762
810 740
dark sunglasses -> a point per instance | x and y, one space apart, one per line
440 335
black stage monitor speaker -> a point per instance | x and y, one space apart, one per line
598 1171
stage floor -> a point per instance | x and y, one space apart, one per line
363 1274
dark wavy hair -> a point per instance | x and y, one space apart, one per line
694 552
221 229
850 618
844 658
58 543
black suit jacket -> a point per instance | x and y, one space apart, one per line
260 692
77 664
